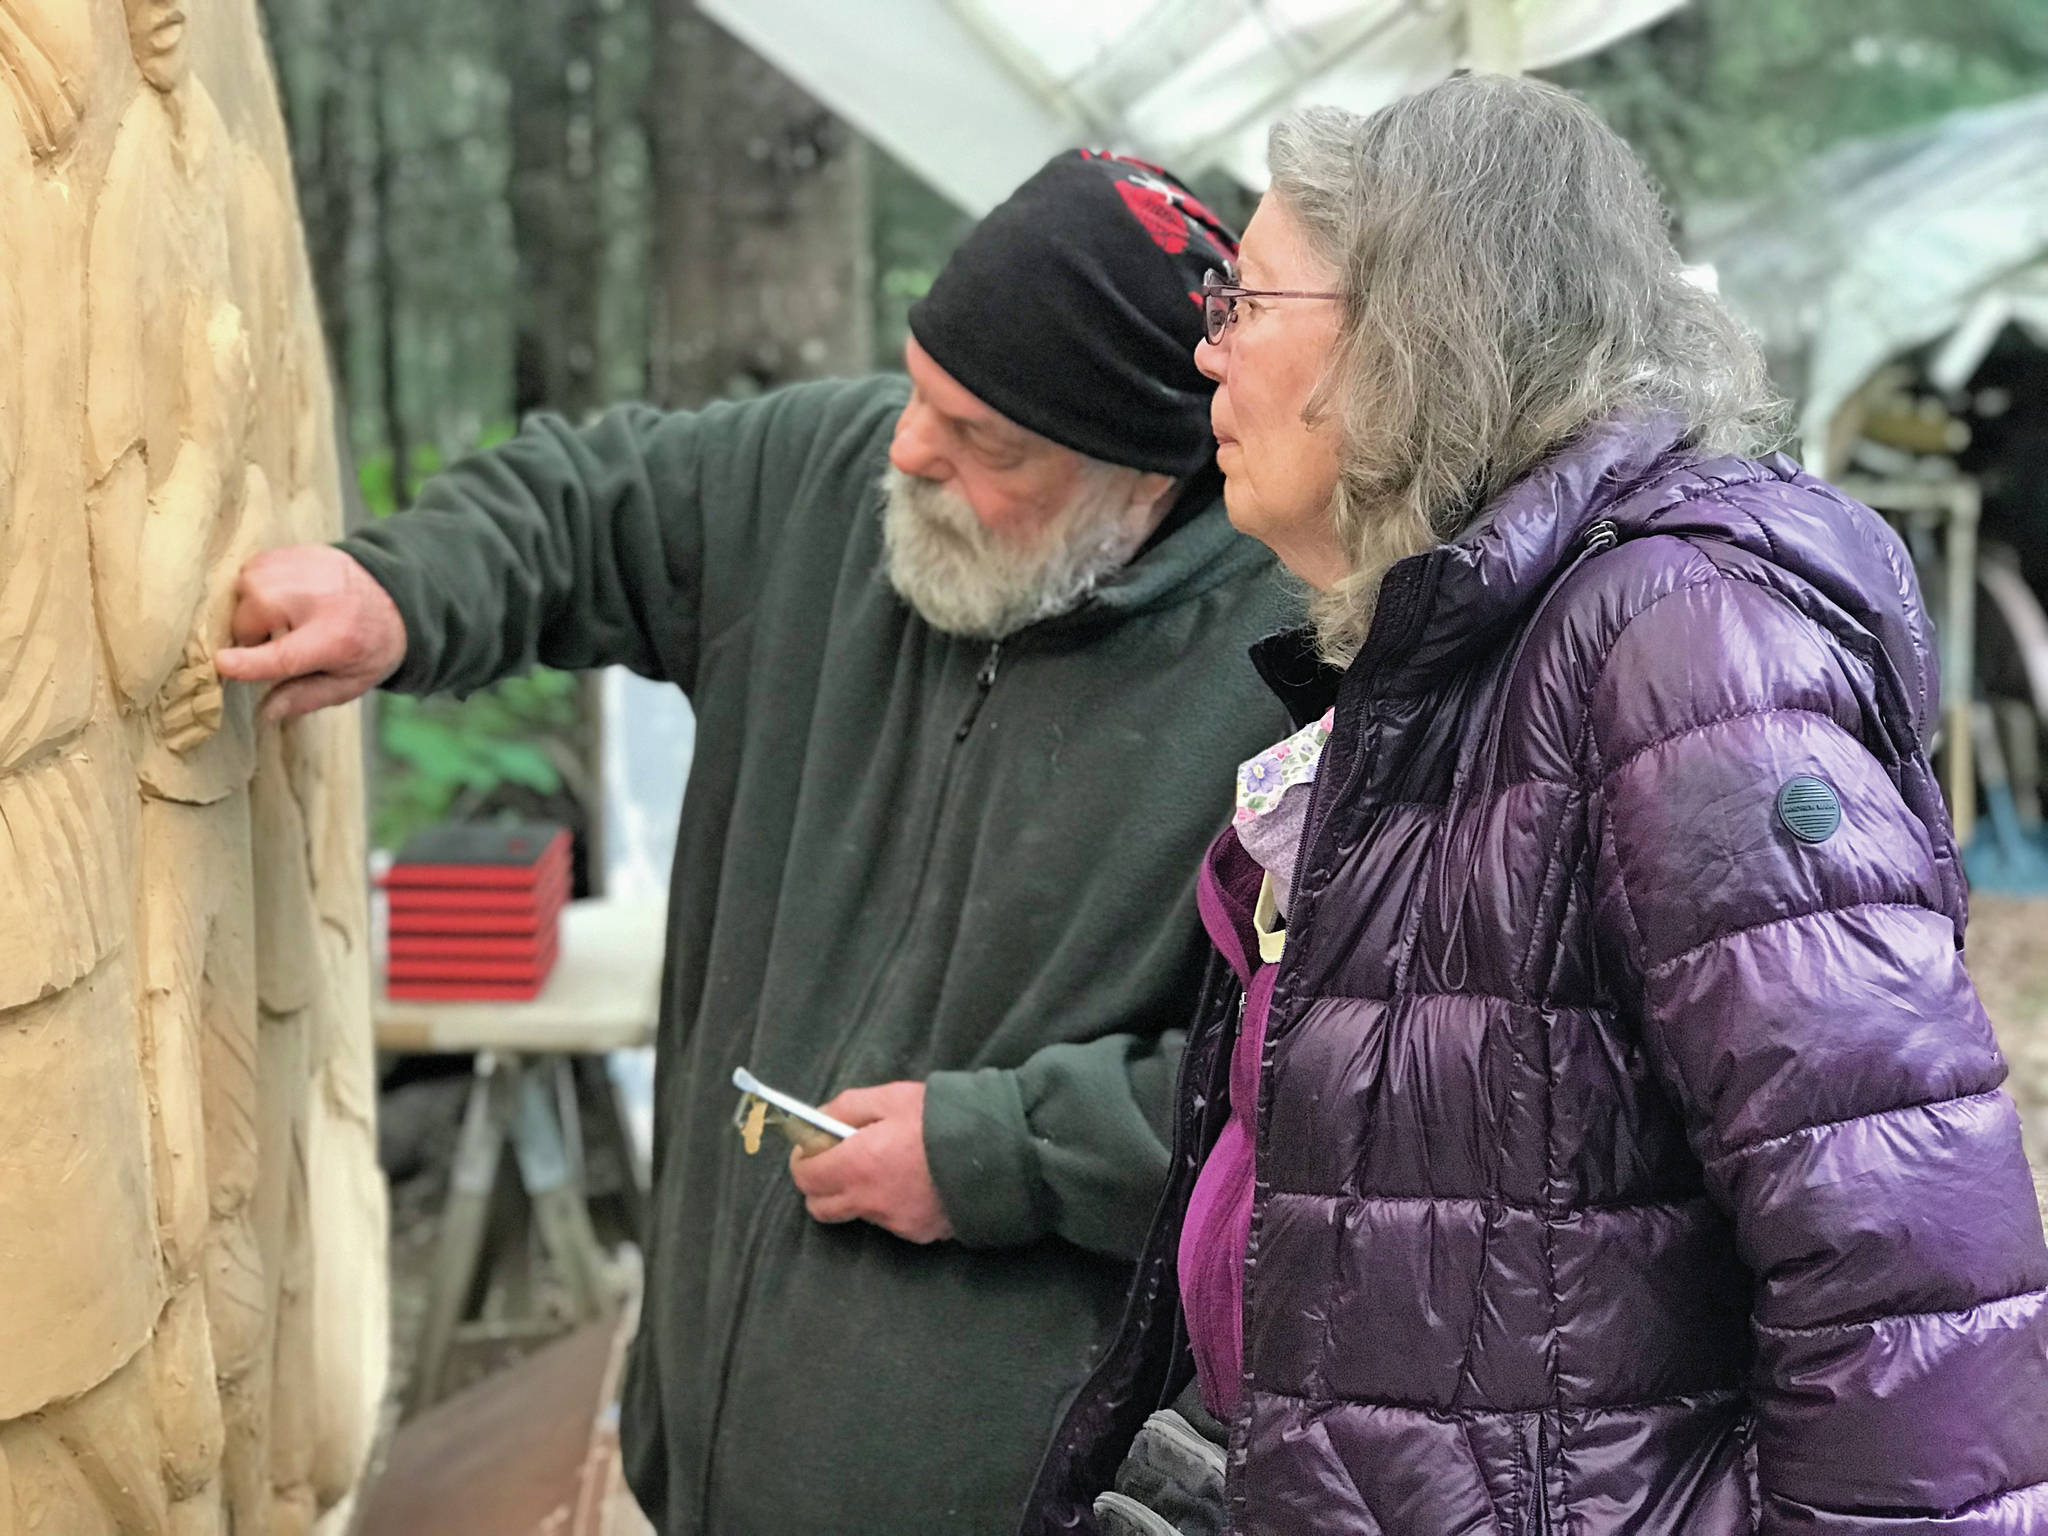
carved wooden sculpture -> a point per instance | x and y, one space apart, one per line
192 1327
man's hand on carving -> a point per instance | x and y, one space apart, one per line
878 1174
313 623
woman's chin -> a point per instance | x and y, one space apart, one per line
1315 567
1246 516
1242 518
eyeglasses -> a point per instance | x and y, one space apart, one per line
1220 293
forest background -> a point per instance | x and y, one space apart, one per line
518 205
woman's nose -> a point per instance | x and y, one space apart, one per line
1211 359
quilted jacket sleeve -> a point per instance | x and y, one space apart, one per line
1807 1005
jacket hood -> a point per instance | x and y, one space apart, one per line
1637 475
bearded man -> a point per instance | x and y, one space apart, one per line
967 653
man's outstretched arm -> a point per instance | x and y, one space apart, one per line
621 542
554 547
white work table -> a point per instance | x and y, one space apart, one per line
602 996
539 1089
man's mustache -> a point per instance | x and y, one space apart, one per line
945 511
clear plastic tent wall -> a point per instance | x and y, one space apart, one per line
974 95
1883 245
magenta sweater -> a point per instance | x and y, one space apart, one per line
1212 1240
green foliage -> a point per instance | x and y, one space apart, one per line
435 754
373 474
438 752
373 470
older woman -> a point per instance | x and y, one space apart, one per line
1591 1127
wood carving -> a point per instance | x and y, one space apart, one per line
192 1337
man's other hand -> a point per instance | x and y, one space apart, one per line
878 1174
313 623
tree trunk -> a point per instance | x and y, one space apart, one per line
327 185
383 191
314 53
548 50
761 263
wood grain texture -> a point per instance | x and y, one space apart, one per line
191 1217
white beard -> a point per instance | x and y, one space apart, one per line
964 580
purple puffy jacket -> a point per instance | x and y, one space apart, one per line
1626 1162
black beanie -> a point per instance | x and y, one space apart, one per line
1075 306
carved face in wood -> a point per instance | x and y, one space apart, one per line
156 36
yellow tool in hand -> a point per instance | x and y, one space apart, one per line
808 1129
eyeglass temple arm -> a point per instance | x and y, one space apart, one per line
1267 293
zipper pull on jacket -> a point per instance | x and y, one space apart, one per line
984 680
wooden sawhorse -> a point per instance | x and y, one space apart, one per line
540 1087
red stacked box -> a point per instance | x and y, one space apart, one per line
476 912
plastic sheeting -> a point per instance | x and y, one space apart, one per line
650 736
975 95
1884 245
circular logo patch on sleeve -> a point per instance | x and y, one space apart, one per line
1809 808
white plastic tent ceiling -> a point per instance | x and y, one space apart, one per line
974 95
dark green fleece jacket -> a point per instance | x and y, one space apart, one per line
902 855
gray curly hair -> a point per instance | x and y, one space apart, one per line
1508 280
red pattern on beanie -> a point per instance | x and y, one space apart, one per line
1161 179
1154 207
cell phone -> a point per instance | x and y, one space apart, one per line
803 1124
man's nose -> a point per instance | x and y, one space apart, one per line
912 449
